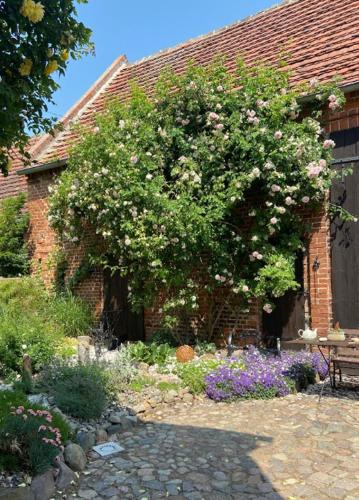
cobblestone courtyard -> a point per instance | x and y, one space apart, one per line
290 448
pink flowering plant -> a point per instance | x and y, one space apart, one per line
211 171
33 436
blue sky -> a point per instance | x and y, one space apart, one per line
140 28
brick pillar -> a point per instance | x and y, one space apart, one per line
317 272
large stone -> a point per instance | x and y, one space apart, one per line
114 429
101 436
188 397
142 407
75 457
39 399
170 396
65 478
116 418
16 494
43 486
86 440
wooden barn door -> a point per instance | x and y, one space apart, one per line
345 236
288 315
118 316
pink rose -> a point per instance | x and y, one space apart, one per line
278 135
274 220
328 144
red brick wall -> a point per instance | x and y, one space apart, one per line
43 243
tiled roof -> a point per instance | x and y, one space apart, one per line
321 36
13 184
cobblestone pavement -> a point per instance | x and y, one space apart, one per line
288 448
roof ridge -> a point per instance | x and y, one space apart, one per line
212 33
80 105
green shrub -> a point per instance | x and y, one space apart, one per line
71 313
13 226
120 373
151 353
164 337
78 390
31 435
37 322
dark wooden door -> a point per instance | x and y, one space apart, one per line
345 235
288 315
118 316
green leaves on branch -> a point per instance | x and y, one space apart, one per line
37 39
200 186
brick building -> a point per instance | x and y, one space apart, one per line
322 40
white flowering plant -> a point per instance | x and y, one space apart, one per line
212 171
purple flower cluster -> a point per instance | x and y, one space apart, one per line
263 375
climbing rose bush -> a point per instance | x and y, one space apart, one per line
211 171
263 376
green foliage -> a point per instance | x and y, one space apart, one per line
213 169
164 337
140 383
25 384
31 435
205 347
153 354
303 374
168 386
71 313
9 399
36 322
14 222
193 373
37 38
120 373
78 390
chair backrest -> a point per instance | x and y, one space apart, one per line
349 352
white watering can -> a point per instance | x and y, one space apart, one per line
308 334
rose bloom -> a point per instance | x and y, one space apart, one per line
256 172
134 159
267 308
274 220
281 210
289 201
245 288
275 188
328 144
305 199
213 116
278 135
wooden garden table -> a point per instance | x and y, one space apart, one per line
327 354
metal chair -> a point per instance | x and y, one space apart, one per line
346 360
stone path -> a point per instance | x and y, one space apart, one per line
289 448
